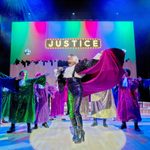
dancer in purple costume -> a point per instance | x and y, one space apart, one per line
128 107
42 111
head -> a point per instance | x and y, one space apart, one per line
23 74
72 60
127 72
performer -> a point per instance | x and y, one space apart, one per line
7 82
23 102
74 98
53 91
6 98
96 78
102 106
42 111
128 107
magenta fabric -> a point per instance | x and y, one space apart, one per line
53 111
57 103
42 111
128 107
106 73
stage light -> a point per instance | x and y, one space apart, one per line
73 13
117 13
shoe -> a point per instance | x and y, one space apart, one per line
63 119
12 128
104 123
29 128
80 130
3 121
136 127
35 126
81 133
29 131
75 137
123 126
45 125
95 123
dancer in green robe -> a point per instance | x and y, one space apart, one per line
23 102
6 99
7 82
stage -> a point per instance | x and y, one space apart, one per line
58 137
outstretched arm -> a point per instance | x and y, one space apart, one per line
4 76
8 83
39 80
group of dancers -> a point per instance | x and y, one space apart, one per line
24 100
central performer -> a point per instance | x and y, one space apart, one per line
87 77
74 98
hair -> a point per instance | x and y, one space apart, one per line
26 72
128 71
75 58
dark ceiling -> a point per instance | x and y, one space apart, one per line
137 11
83 9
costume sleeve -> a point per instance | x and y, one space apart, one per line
61 82
39 80
135 83
8 83
3 75
85 64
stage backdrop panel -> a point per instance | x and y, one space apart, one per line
28 41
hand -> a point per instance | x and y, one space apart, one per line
47 74
37 99
98 56
124 50
60 68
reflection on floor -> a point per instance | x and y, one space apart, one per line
58 137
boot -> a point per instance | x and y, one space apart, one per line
75 137
81 132
35 126
45 125
123 126
74 124
3 121
29 128
95 123
136 127
104 123
12 128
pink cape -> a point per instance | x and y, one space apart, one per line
106 73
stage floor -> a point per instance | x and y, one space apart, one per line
58 137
